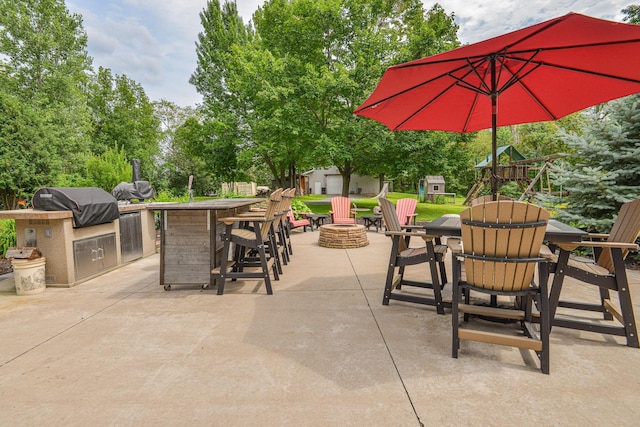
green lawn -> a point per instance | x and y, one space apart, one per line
425 211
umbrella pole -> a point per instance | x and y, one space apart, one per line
494 131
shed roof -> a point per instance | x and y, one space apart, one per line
434 179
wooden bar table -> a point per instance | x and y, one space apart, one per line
190 244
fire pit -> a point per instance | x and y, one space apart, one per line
343 236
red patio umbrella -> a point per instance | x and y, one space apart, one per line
539 73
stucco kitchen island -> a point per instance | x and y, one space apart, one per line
190 243
74 255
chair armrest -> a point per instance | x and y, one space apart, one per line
233 219
454 244
545 252
257 214
412 227
569 246
400 233
600 236
609 245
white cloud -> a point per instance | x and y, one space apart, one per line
153 41
482 19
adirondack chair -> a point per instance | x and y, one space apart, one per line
402 255
406 211
607 272
341 212
258 238
488 198
501 242
295 223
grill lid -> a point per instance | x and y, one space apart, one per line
89 205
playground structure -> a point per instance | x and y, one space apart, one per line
531 175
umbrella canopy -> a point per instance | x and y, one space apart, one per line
539 73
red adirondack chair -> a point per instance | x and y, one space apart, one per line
341 212
406 211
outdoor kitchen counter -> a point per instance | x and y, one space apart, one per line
78 254
190 243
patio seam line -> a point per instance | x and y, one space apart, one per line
2 365
375 320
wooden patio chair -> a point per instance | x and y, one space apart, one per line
406 211
282 225
488 198
607 272
257 238
402 255
341 212
279 226
501 244
295 223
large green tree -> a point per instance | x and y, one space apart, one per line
25 163
223 32
44 67
124 118
284 96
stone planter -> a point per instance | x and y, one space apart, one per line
29 275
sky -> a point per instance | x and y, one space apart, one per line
153 41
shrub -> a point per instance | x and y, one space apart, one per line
7 235
299 206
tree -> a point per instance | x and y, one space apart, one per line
605 171
223 32
347 46
175 163
284 96
25 163
124 118
632 14
44 65
108 169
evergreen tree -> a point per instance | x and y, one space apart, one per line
605 172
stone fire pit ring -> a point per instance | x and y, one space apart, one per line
343 236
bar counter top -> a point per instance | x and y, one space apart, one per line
213 204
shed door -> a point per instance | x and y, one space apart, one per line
334 184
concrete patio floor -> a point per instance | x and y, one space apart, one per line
321 351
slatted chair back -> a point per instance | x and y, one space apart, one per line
391 220
488 198
273 207
341 210
287 199
624 230
406 210
497 234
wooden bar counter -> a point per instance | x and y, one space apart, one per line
190 242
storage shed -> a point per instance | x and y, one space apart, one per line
434 187
435 184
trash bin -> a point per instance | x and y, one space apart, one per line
28 270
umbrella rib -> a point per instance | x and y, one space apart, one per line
473 107
577 46
474 68
526 88
515 76
593 73
409 89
